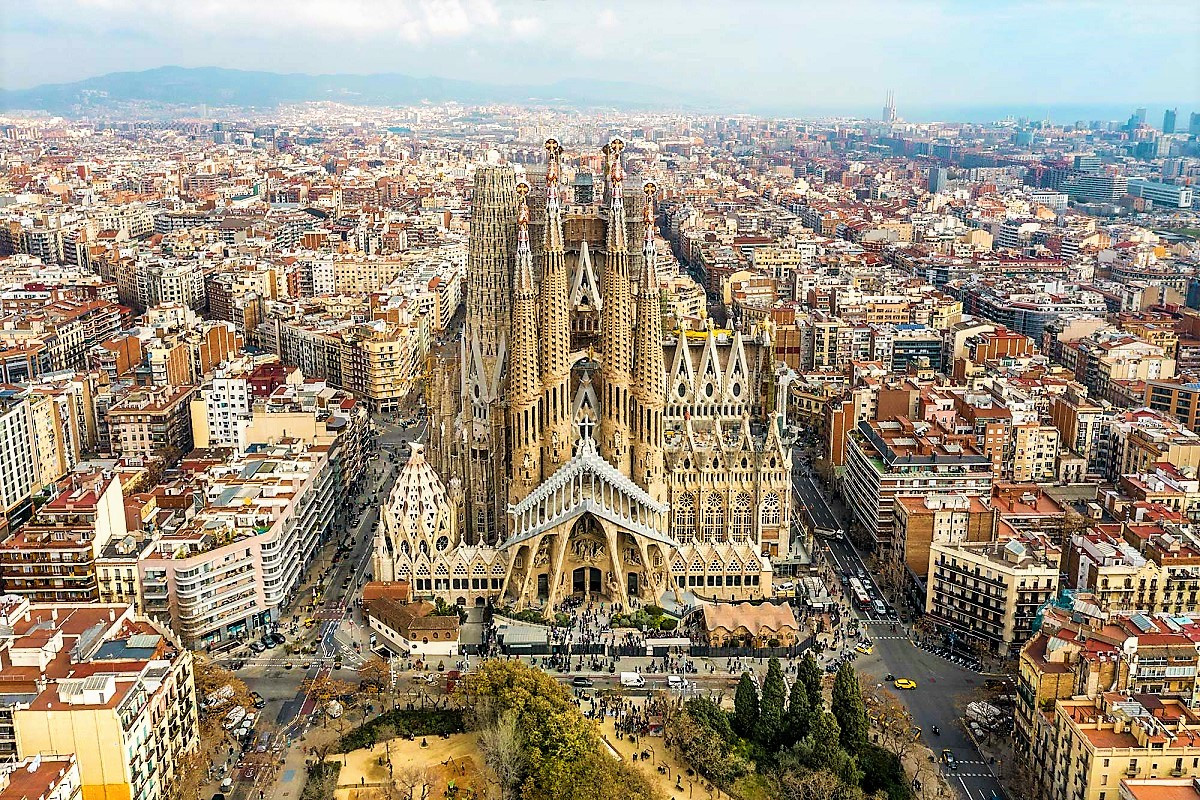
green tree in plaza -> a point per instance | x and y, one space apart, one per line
848 706
745 707
810 676
796 721
772 708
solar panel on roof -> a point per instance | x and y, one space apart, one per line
95 683
1143 624
144 640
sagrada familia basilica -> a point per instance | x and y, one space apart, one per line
576 448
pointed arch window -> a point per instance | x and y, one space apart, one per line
685 517
770 510
713 528
741 519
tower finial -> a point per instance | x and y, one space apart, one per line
553 173
616 217
523 218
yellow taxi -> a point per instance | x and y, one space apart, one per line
905 683
864 648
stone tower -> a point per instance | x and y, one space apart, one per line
484 351
615 319
649 370
557 433
524 385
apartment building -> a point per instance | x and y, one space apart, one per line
96 681
1153 567
1096 744
1142 437
53 777
989 593
18 460
226 571
379 361
1177 398
922 520
52 558
151 422
1081 423
893 457
1034 453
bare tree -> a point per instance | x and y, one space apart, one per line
503 753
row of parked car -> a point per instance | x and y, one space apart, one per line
267 642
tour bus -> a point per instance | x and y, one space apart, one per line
861 599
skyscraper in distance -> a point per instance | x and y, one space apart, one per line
937 179
1169 120
889 107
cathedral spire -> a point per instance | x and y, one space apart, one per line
615 328
648 393
524 384
556 322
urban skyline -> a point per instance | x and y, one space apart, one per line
758 400
1055 60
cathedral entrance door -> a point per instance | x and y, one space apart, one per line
633 585
543 589
586 580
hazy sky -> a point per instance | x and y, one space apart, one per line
764 53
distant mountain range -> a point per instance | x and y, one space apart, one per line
215 86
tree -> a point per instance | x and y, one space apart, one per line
796 722
501 746
771 708
810 676
816 785
745 707
848 706
708 713
702 747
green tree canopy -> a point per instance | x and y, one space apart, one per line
745 707
848 706
796 723
772 707
810 676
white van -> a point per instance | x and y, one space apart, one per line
632 679
676 682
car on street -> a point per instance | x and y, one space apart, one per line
259 702
257 647
864 648
949 760
582 682
905 683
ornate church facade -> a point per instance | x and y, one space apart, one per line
577 449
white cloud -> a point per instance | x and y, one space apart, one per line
526 27
416 21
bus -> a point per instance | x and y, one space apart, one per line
861 599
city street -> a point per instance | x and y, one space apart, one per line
938 680
279 676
